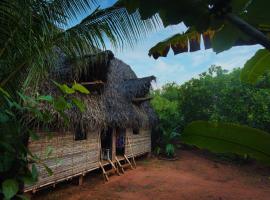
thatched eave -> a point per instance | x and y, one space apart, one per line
114 106
137 87
89 68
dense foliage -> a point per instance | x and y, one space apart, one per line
217 96
220 96
166 105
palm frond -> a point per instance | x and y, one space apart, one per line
114 24
32 32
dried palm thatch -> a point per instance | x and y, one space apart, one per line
112 106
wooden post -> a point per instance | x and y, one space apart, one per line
106 178
80 180
119 165
113 144
132 154
115 168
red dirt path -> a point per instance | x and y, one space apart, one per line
192 177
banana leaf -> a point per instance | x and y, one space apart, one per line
229 138
186 42
190 41
256 66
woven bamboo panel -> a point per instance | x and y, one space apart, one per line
68 157
139 144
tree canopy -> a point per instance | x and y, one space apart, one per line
225 108
216 95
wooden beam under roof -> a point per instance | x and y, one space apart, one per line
92 83
141 99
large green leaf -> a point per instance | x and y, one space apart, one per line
226 37
79 104
64 88
48 169
170 150
256 66
190 41
261 7
47 98
4 92
80 88
201 17
10 188
34 172
49 151
180 43
170 11
60 104
229 138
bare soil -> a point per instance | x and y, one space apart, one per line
194 176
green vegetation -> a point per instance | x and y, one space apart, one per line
215 96
16 126
166 104
229 138
221 97
34 36
221 23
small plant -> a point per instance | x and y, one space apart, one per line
167 144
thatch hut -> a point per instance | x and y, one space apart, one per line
115 126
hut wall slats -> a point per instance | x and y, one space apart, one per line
140 143
68 157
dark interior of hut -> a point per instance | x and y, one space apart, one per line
79 133
120 141
106 143
95 76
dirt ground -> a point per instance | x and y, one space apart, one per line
193 176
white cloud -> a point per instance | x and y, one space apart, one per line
182 67
236 57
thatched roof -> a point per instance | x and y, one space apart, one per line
113 106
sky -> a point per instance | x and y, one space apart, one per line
177 68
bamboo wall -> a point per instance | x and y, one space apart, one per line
140 143
68 157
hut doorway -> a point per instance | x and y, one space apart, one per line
120 141
106 144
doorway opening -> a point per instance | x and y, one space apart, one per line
120 141
106 143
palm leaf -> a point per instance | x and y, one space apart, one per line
33 33
229 138
256 66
